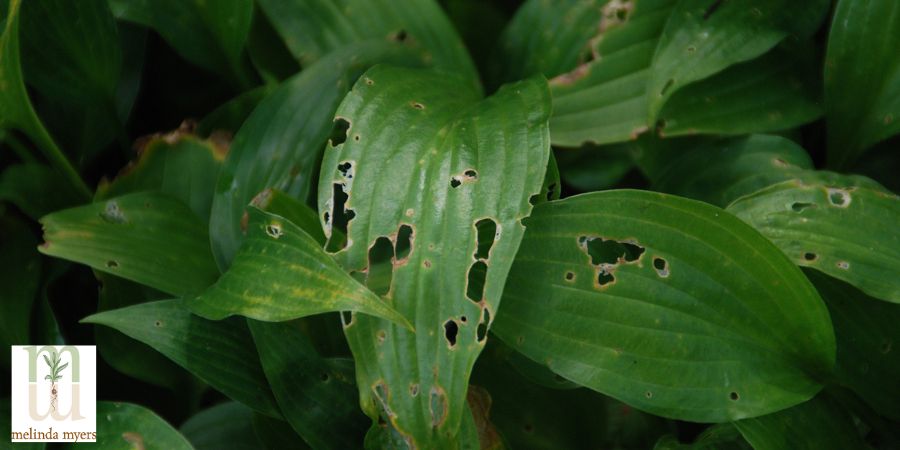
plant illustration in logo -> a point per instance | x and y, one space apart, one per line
55 375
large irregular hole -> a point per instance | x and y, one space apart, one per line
381 269
605 277
608 251
451 330
404 242
481 332
339 131
346 169
486 232
476 277
340 219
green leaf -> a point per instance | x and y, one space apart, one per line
281 273
314 28
275 149
703 37
717 437
178 164
776 91
667 304
276 434
125 425
208 34
723 170
866 332
605 99
149 237
844 226
317 398
82 38
549 38
594 168
818 424
227 425
862 78
425 164
36 189
232 114
126 355
20 273
221 353
278 203
17 111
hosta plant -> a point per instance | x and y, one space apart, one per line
460 224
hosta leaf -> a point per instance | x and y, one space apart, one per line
276 434
818 424
125 425
717 437
435 182
593 168
867 333
281 273
227 425
704 37
605 100
722 170
20 273
71 55
36 189
278 203
17 111
549 38
221 353
275 149
667 304
267 51
314 28
845 226
126 355
177 163
776 91
317 398
231 115
862 77
149 237
208 34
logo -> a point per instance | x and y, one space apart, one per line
54 393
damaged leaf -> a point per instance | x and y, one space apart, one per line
612 291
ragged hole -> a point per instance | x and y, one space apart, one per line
346 169
604 277
451 329
340 219
486 232
455 182
800 206
381 269
661 266
570 276
481 332
404 242
734 396
609 251
809 256
475 281
471 174
339 131
381 394
274 230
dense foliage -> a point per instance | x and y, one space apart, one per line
549 224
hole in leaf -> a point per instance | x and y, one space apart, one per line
404 242
839 198
471 173
800 206
158 323
381 269
481 332
324 377
339 131
346 318
604 278
476 277
414 389
734 396
451 329
346 169
809 256
648 394
112 264
400 36
463 319
438 406
417 105
608 251
661 266
341 217
455 182
570 276
274 230
486 232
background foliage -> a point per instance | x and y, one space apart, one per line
562 224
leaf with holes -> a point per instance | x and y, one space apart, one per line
314 28
704 37
221 353
281 273
722 170
430 184
845 226
273 150
802 426
862 78
867 335
667 304
148 237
